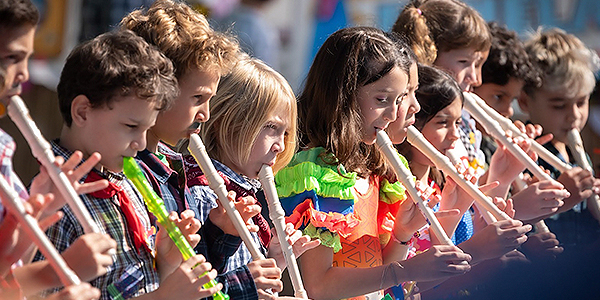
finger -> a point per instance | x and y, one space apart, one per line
489 186
264 295
544 138
85 167
90 187
71 163
447 213
50 220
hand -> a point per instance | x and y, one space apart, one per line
167 253
43 184
496 239
513 257
437 262
82 291
14 241
542 247
410 219
580 184
187 280
90 255
300 243
245 205
539 199
266 276
504 166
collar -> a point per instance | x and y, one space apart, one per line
66 153
161 172
193 170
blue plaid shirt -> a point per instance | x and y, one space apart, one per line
170 183
208 201
111 220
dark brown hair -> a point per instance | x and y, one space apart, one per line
18 13
116 63
329 114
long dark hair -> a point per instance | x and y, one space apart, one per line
329 114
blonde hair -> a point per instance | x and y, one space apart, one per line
441 25
184 36
245 99
564 62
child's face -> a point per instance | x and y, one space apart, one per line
500 97
16 46
464 65
442 130
192 105
556 111
379 101
118 130
407 109
268 144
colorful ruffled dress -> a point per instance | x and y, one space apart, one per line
321 201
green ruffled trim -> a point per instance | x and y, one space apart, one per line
331 240
391 193
304 174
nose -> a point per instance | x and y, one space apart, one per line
510 111
203 113
139 143
391 113
574 114
279 144
453 134
471 76
415 107
22 74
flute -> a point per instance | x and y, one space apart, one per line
508 125
277 215
576 145
492 127
458 156
157 207
217 184
404 176
18 112
416 138
14 203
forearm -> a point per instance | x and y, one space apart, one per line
395 251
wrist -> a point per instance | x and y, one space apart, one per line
403 238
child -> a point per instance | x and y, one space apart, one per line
253 123
200 59
354 87
17 28
441 100
559 104
454 37
504 74
110 91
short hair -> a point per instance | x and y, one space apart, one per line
329 114
18 13
2 80
118 63
507 59
184 36
563 61
244 101
441 25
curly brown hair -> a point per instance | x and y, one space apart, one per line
184 36
507 58
116 63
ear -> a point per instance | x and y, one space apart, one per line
524 99
80 109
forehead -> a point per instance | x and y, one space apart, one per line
197 79
17 39
470 53
560 95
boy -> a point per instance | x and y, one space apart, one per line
559 104
200 57
18 21
110 91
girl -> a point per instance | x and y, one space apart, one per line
253 122
331 189
441 100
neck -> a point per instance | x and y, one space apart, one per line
421 171
69 139
152 141
562 149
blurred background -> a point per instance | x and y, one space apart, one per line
284 33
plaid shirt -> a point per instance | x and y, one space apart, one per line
7 150
208 201
171 186
107 214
